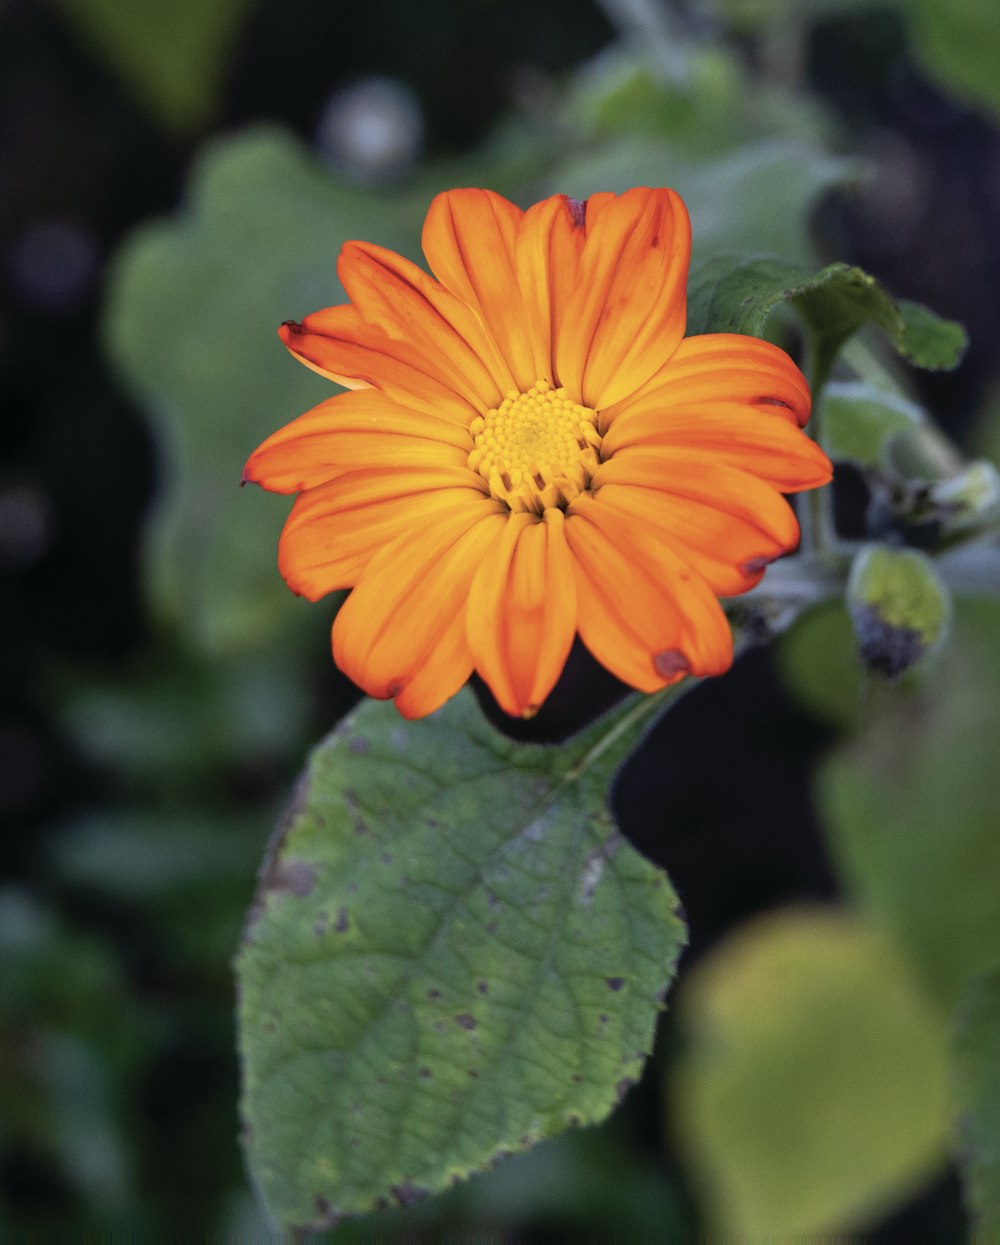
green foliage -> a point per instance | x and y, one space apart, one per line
453 955
750 163
63 1062
756 197
178 721
813 1092
960 45
191 322
715 109
749 14
911 809
859 421
818 661
171 54
730 294
977 1092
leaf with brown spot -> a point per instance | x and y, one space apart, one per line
456 1016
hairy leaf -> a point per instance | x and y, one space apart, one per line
729 294
453 955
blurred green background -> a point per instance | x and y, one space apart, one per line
175 180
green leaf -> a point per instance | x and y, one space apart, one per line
910 807
969 500
172 54
813 1091
704 113
917 471
928 340
960 45
192 325
453 955
898 605
735 295
756 197
859 420
977 1088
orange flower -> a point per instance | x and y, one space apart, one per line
531 448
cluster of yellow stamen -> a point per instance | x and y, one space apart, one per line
536 449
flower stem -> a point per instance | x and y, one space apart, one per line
819 533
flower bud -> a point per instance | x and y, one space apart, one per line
899 607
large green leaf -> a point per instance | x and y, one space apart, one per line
453 955
193 312
977 1075
729 294
911 808
172 54
813 1091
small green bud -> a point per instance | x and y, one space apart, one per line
899 607
969 500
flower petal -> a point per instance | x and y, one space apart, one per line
335 530
351 431
754 438
470 239
401 632
338 344
521 617
729 553
642 612
628 313
406 304
703 478
722 367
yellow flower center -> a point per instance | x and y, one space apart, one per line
536 449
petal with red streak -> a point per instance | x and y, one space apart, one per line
627 315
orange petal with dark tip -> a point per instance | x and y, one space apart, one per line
396 296
722 367
405 606
729 553
521 617
480 223
754 439
700 477
637 602
627 315
338 344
